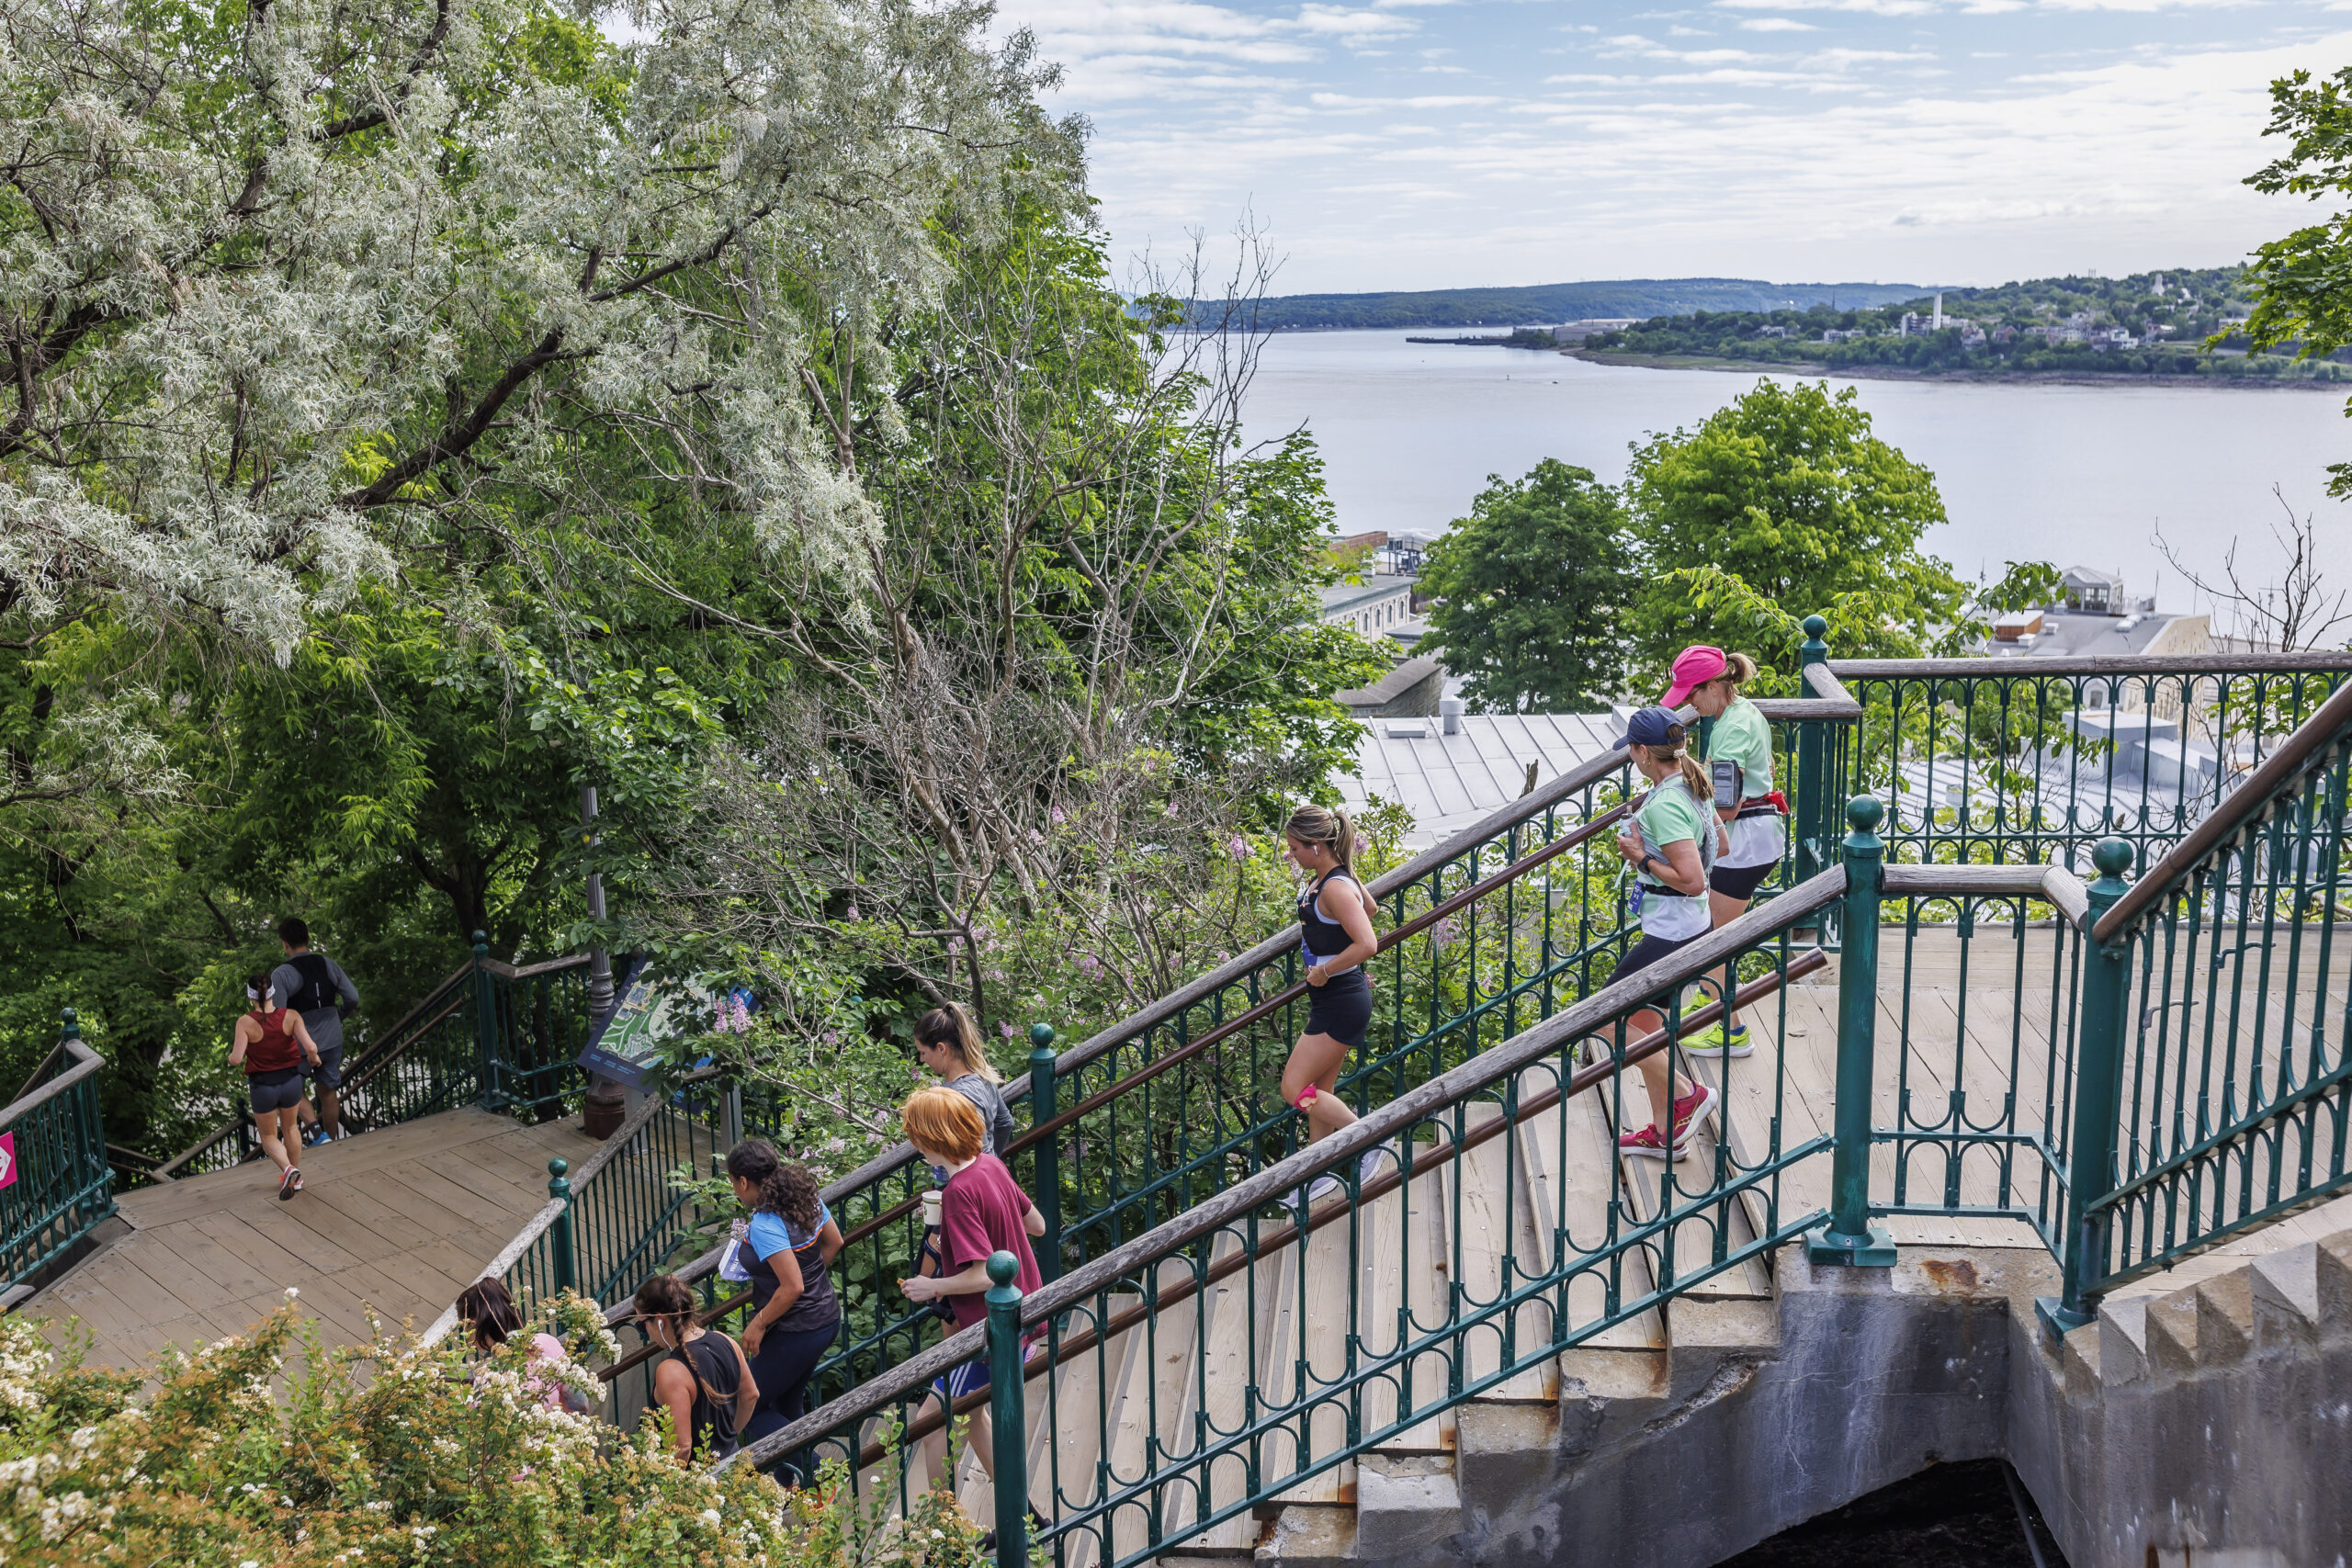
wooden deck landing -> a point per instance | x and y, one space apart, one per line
398 1221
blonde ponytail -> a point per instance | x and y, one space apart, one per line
949 1025
1332 829
1738 669
1694 776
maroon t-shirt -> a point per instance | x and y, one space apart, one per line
981 1212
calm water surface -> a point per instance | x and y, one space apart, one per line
2069 474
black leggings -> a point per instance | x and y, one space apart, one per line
782 1370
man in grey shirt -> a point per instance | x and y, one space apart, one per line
315 986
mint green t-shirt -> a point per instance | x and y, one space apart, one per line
1668 815
1742 736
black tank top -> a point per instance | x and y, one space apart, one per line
1323 935
817 1306
710 1360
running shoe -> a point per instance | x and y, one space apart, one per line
1648 1144
1687 1113
1710 1042
1314 1191
1370 1165
290 1184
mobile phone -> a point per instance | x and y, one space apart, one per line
1726 785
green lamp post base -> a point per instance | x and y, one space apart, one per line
1874 1249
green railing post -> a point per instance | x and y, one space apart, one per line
2099 1092
1048 1181
1850 1241
567 1269
485 1023
1009 1428
1813 765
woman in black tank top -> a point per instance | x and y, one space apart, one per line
703 1381
1335 930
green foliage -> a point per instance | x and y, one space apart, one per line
1530 589
1780 504
2298 281
387 1454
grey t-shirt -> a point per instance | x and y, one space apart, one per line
995 1115
325 1024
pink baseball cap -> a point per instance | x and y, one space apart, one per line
1693 667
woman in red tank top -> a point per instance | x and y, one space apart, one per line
271 1045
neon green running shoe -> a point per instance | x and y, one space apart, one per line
1711 1041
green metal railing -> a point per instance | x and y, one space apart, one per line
2031 760
56 1185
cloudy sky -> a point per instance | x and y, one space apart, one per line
1429 143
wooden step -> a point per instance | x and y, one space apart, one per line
1645 1180
1150 1415
1401 1270
1221 1391
1496 1252
1304 1352
1572 1187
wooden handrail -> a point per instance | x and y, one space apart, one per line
86 1062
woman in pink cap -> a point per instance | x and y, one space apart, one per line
1754 835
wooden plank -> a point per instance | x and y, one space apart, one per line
1318 1337
1494 1247
1571 1158
1150 1415
1222 1390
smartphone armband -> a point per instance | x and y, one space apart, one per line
1726 785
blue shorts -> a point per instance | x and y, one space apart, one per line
969 1378
328 1074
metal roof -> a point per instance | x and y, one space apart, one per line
1449 781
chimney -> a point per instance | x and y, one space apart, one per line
1939 312
1450 712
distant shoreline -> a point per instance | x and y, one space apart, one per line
1981 377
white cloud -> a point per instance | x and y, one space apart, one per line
1788 25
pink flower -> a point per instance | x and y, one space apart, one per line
1238 848
1008 1029
1057 817
1442 933
852 911
1362 844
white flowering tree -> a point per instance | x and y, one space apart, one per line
295 294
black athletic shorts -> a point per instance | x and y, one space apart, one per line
1740 881
1341 1007
280 1091
1646 951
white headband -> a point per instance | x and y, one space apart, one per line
251 995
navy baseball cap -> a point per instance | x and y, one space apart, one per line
1651 725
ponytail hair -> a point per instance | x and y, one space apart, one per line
1694 777
1738 669
949 1025
1328 827
257 990
490 1311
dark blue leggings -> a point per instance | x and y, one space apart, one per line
782 1368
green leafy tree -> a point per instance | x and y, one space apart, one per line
1778 505
1531 589
2299 281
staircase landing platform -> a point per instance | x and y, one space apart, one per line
398 1221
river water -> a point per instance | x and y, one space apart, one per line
2031 472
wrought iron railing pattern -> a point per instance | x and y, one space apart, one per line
56 1185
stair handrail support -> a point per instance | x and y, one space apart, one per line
1850 1240
2098 1087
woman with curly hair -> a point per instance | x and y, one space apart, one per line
786 1253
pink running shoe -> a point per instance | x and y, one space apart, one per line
1687 1111
1647 1144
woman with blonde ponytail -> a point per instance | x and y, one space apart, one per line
1335 915
1670 846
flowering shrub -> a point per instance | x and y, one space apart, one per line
269 1449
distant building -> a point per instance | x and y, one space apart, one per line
1409 691
1374 607
1452 771
2090 590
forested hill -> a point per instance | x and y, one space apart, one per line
1548 303
2145 323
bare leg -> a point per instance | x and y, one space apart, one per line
273 1143
1721 909
1316 1060
329 1110
977 1435
1658 1070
